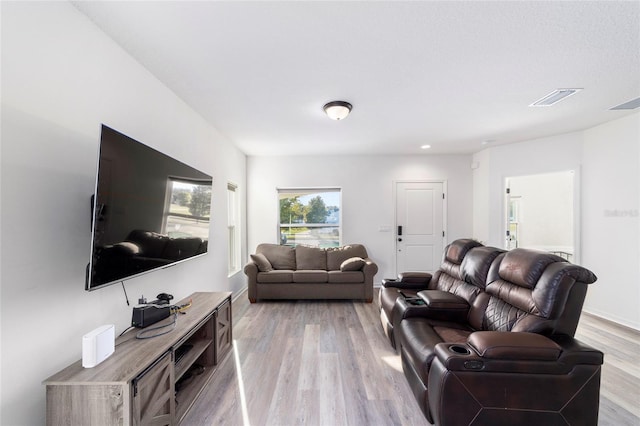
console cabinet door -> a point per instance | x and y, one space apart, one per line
223 331
153 394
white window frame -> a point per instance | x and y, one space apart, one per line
233 229
309 191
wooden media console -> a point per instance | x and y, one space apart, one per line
152 381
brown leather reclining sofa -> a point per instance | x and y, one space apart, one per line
489 340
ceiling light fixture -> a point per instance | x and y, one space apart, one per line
555 97
337 110
425 146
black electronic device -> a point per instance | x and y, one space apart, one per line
164 298
144 316
149 211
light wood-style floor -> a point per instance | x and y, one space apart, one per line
620 381
329 363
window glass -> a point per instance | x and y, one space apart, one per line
310 217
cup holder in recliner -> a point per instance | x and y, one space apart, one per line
459 349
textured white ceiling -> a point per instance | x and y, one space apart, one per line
446 73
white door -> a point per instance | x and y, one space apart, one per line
419 226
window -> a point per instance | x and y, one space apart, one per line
233 232
188 207
310 216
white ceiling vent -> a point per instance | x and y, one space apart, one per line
554 97
632 104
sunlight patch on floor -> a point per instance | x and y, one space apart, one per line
394 362
243 399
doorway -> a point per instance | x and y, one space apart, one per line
419 226
541 213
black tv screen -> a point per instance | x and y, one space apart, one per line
150 211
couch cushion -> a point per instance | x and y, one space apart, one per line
279 276
335 256
310 276
352 264
457 250
346 277
261 262
181 248
308 258
525 267
280 257
476 264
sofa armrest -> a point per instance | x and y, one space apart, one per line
505 377
499 345
370 268
407 308
393 283
432 304
415 278
443 305
516 352
409 281
251 271
443 300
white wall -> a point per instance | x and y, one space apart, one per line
607 163
610 220
367 195
482 209
61 78
495 164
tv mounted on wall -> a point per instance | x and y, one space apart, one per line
150 211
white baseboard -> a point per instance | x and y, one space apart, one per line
239 293
612 318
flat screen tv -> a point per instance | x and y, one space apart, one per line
149 211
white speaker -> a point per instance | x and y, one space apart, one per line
97 345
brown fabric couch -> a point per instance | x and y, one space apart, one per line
302 272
